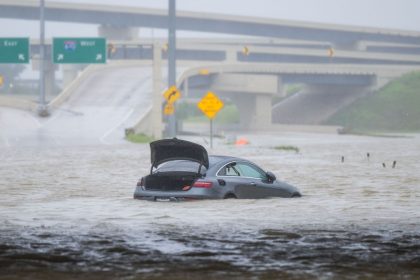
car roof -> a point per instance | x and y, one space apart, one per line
218 159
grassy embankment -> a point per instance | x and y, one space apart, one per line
394 108
139 138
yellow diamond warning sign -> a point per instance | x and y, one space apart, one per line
210 105
172 94
169 109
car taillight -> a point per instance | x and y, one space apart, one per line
140 183
186 188
202 184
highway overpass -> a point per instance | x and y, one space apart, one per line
340 36
280 52
252 86
209 50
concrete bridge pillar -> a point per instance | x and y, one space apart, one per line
122 33
231 55
280 87
246 108
254 110
70 72
262 118
157 126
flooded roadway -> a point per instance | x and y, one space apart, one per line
67 211
66 206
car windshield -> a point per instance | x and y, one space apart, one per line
180 165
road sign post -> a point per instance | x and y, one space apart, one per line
42 107
210 105
14 50
79 50
171 59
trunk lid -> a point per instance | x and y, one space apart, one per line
175 149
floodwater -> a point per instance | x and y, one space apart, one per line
67 212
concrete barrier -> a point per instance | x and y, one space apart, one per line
17 103
144 125
67 91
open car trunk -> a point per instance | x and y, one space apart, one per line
169 181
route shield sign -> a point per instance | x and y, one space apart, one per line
14 50
172 94
79 50
210 105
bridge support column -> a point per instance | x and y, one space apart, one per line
231 55
281 92
157 93
246 108
254 110
262 118
123 33
70 72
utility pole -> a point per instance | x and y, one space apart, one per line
172 61
42 108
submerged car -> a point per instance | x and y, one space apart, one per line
182 170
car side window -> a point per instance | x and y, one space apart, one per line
247 170
229 170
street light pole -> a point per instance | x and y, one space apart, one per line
172 60
42 109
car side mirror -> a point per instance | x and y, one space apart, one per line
270 176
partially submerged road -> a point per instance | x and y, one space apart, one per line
106 102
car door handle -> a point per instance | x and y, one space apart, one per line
253 184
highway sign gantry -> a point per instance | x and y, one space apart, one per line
210 105
79 50
14 50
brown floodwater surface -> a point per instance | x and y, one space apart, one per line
66 211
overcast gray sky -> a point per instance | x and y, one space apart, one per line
395 14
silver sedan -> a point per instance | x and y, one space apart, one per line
183 170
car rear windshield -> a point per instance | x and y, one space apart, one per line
180 165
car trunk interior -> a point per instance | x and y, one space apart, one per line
169 181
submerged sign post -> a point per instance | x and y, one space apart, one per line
79 50
14 50
210 105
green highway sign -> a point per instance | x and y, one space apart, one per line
79 50
14 50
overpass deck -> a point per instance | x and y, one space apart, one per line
204 22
